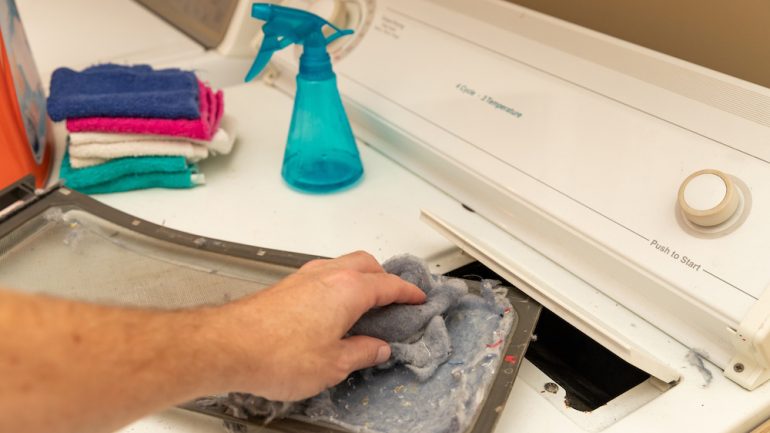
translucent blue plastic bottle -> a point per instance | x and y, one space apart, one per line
321 153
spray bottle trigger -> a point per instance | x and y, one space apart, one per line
259 63
271 44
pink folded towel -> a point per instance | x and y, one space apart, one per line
203 128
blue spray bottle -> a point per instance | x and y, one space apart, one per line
321 153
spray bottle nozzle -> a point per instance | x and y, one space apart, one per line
285 26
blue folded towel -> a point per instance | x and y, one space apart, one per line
123 91
127 174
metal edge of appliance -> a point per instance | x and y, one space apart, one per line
209 34
20 202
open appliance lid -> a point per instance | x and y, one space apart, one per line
62 243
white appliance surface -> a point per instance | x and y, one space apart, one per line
409 78
245 199
587 180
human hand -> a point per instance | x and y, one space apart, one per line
287 342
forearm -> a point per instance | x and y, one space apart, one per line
74 367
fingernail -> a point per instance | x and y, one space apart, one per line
383 353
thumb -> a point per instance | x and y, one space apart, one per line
364 352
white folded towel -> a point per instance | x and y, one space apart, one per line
92 148
100 152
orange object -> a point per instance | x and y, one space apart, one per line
26 141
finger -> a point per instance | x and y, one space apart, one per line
360 261
386 289
359 352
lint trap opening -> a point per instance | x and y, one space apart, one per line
590 374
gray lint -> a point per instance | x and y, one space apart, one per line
695 357
445 354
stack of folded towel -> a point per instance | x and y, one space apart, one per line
133 127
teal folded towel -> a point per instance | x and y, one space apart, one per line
132 173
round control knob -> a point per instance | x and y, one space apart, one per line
708 198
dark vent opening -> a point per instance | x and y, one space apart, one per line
590 374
